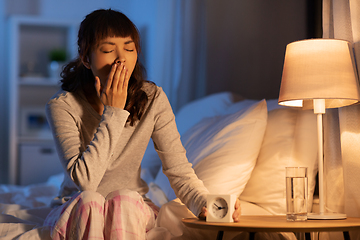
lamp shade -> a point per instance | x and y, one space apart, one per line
318 69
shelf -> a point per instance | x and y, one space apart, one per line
31 39
35 139
38 81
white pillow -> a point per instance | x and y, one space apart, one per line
224 149
209 106
290 140
192 113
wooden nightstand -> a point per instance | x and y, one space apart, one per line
253 224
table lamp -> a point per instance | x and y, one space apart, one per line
319 74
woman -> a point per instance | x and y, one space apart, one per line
102 121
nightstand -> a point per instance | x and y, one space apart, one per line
253 224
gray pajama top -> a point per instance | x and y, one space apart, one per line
103 153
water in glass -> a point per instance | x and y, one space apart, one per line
296 198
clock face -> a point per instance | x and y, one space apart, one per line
219 207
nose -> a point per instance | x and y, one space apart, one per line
120 57
118 61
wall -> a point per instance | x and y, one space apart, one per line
246 42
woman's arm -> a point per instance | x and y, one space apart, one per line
86 155
176 167
85 162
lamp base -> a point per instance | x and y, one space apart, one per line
326 216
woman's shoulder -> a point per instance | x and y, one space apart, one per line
152 90
158 100
61 96
65 98
149 88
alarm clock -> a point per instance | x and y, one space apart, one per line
220 207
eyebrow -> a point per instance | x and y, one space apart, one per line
112 43
128 42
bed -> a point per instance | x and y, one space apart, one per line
236 146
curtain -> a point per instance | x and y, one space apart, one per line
191 83
341 20
181 50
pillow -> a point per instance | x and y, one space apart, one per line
290 140
223 150
209 106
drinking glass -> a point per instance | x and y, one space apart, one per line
296 193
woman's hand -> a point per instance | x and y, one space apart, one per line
236 214
114 92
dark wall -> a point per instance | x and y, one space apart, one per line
246 43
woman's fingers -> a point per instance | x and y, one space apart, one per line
114 93
203 213
109 81
126 80
237 212
98 86
119 78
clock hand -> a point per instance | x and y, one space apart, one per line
219 208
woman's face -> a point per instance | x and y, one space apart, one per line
109 51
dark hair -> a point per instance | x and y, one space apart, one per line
95 27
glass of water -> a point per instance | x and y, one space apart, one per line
296 193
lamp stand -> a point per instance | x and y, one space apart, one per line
319 109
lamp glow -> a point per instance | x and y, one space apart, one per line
319 74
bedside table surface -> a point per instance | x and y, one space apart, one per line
276 224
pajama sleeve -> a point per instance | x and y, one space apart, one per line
176 167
